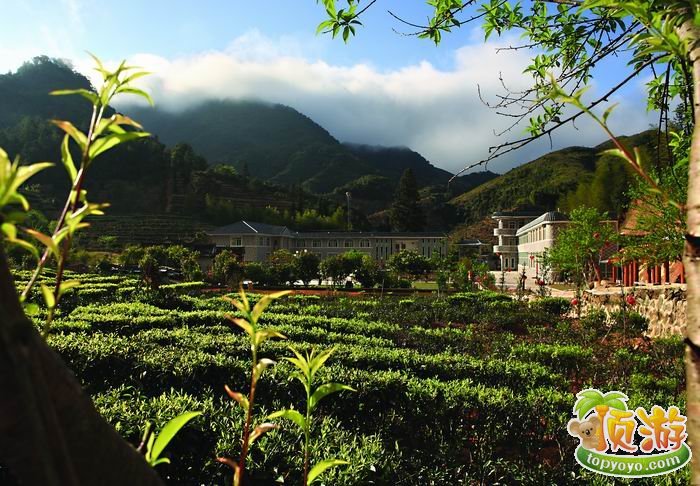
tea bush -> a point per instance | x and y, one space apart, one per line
474 388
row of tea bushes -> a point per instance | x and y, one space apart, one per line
474 389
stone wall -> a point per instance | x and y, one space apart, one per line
664 307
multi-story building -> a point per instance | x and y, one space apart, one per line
538 236
524 238
508 225
254 242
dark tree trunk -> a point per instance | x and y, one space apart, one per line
50 432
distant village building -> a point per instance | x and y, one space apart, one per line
254 242
473 248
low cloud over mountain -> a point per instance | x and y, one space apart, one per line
434 111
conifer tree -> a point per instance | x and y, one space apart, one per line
406 213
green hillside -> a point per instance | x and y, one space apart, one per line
142 177
281 145
275 142
562 179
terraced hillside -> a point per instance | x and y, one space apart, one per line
143 229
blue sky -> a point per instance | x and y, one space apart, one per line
381 88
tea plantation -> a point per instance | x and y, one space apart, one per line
469 389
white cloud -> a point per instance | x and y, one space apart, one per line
436 112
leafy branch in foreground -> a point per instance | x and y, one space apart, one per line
257 336
152 444
102 135
308 365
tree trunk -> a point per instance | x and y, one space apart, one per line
690 33
50 432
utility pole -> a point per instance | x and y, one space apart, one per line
349 196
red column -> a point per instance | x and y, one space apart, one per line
682 273
614 273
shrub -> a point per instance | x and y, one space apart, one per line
555 306
227 269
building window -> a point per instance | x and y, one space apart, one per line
348 243
364 243
317 243
332 243
236 242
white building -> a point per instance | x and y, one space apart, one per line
508 225
538 236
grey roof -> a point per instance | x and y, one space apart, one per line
470 242
515 214
545 218
366 234
250 228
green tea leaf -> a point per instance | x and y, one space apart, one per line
290 414
49 298
46 240
321 467
325 390
67 159
168 432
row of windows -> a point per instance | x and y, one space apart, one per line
364 243
332 243
536 234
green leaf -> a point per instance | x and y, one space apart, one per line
137 92
46 240
31 309
10 230
318 361
66 286
67 159
608 112
325 390
168 432
265 334
290 414
49 298
243 324
87 94
321 467
300 362
266 301
111 140
79 137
